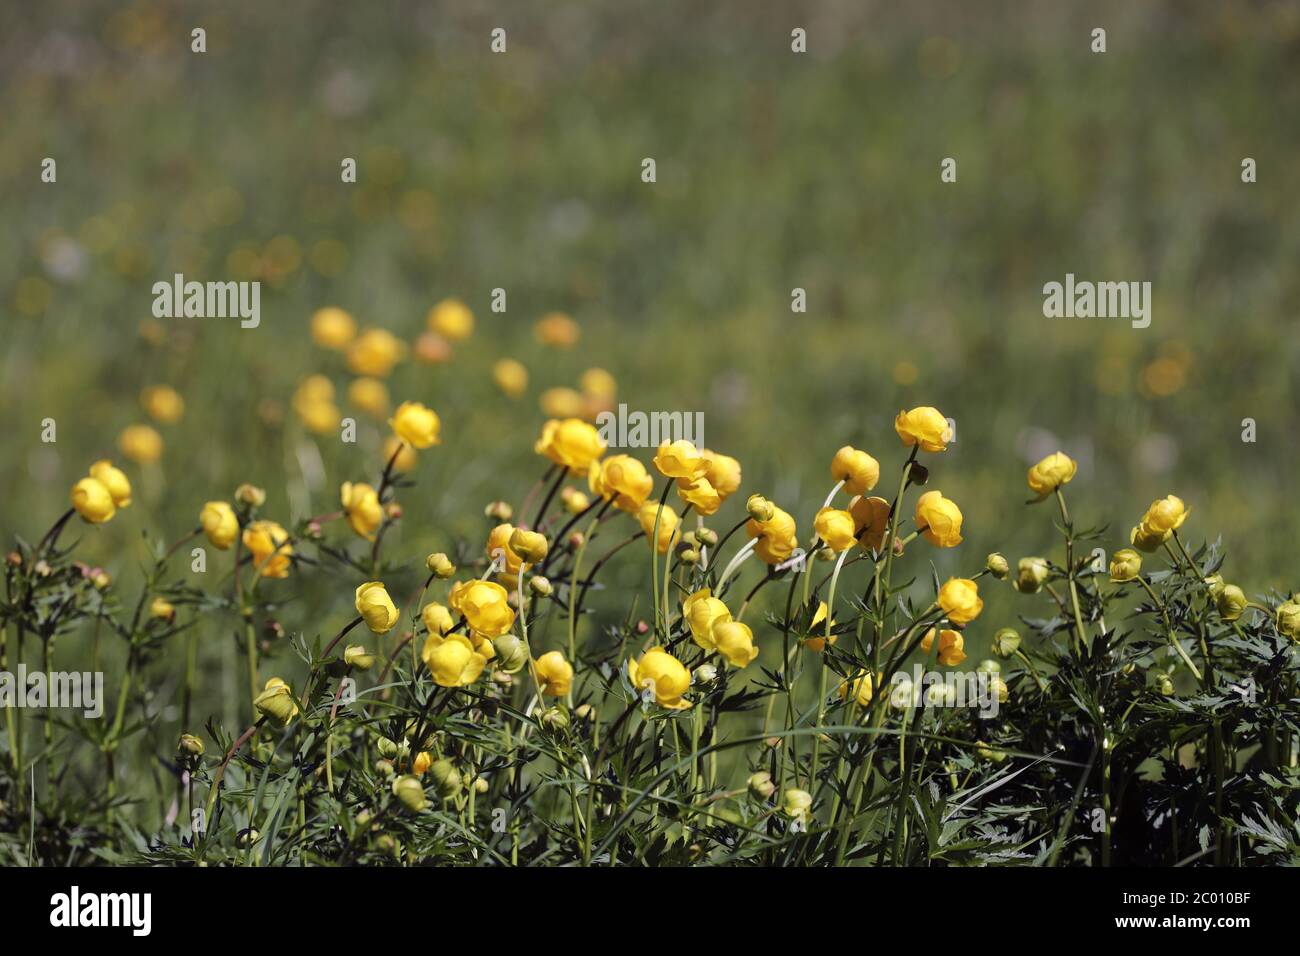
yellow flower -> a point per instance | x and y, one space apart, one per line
484 605
140 443
702 611
453 660
313 400
499 541
1049 474
529 545
557 330
332 328
432 349
924 426
510 376
960 600
423 761
680 459
250 495
415 424
452 319
598 383
561 403
860 689
406 456
621 479
1165 516
776 537
700 494
1148 541
870 521
361 505
374 353
858 470
356 656
815 639
219 523
951 646
1125 565
663 675
573 443
575 502
1231 602
370 395
93 501
1288 620
1031 573
940 518
735 641
269 545
276 703
723 472
163 403
114 480
668 524
374 604
796 803
554 674
437 618
836 528
162 609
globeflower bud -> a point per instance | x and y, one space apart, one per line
540 586
1231 602
191 745
511 653
689 556
761 786
529 545
796 802
1125 565
446 779
440 565
997 565
1030 575
557 718
1165 685
499 511
707 537
162 609
1288 620
759 508
1006 642
246 838
250 495
408 789
989 666
705 674
355 656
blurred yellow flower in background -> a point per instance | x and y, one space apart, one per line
510 376
361 507
374 353
140 443
269 544
557 330
452 319
562 403
370 395
163 404
406 457
332 328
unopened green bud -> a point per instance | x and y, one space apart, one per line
1006 642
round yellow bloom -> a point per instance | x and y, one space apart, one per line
573 443
735 641
376 607
1148 541
598 383
163 403
723 472
870 521
1125 565
1049 474
554 674
663 675
499 546
557 330
269 545
960 600
452 319
623 480
574 500
453 660
374 352
1231 602
332 328
680 459
437 618
860 689
406 456
361 506
484 605
114 480
356 656
951 646
250 495
219 523
314 388
1165 516
668 524
93 501
432 349
940 519
836 528
796 803
1288 620
416 425
162 609
1031 573
776 537
858 470
924 426
510 376
700 494
702 611
140 443
529 545
276 703
422 762
370 395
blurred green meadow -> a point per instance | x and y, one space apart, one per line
775 171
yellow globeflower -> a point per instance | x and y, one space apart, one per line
663 675
332 328
219 523
114 480
939 518
374 353
561 403
574 500
269 545
406 456
452 319
836 528
860 689
960 600
163 403
815 639
702 612
598 383
416 425
924 426
700 494
140 443
776 537
735 641
870 521
1148 541
162 609
510 376
680 459
554 674
370 395
484 605
858 470
668 524
1288 620
376 607
452 660
437 618
1125 565
93 501
951 646
1165 516
361 506
1049 474
499 546
432 349
573 443
529 545
276 703
557 330
621 479
723 472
